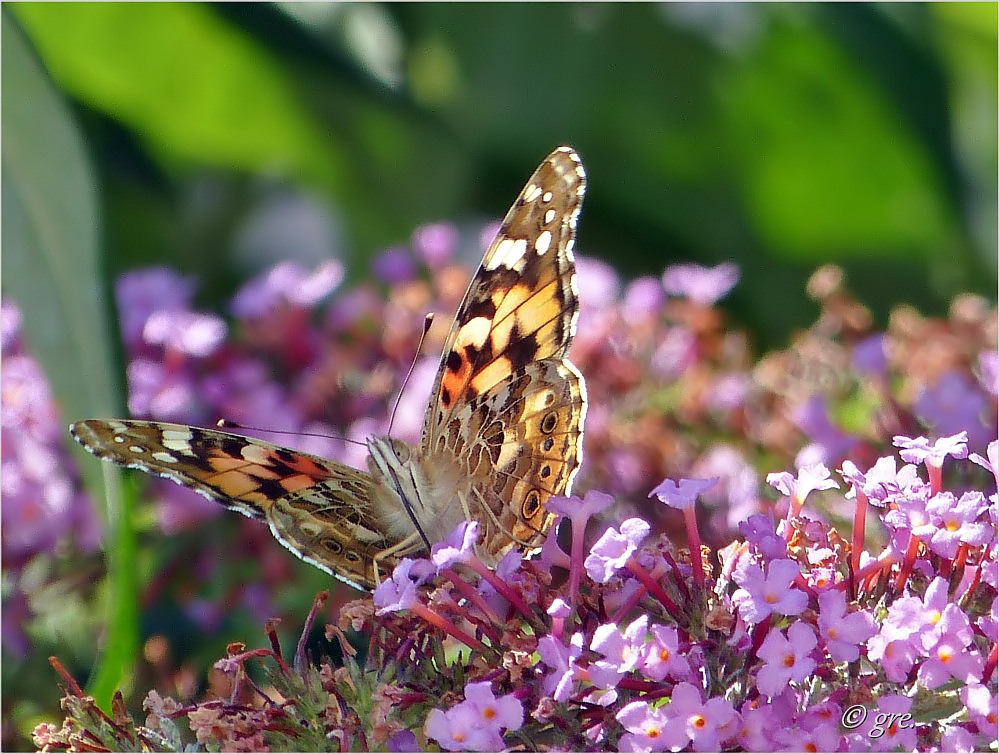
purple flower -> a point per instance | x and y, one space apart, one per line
394 266
785 659
703 285
580 510
649 729
760 532
992 460
683 495
610 553
813 477
662 656
736 495
760 596
435 243
844 632
286 283
982 706
561 660
957 738
458 547
948 659
894 656
952 521
622 651
708 723
922 450
478 723
400 591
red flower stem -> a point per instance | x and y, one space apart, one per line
991 665
486 629
428 615
694 542
884 561
469 592
300 648
678 576
907 566
501 586
934 477
653 587
858 532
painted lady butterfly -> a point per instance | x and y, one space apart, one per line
502 434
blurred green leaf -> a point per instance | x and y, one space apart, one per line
831 169
216 97
51 270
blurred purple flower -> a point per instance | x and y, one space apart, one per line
598 283
286 283
10 327
196 335
161 393
142 292
643 300
351 307
988 371
435 244
736 494
394 266
869 356
649 729
703 285
829 443
954 404
675 353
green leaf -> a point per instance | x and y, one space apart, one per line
216 97
51 270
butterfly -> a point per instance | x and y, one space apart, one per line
503 431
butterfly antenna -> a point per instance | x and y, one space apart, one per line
427 326
227 424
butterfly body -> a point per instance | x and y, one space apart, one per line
503 430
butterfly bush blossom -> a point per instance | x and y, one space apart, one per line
848 603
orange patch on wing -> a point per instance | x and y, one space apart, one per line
297 482
235 483
497 370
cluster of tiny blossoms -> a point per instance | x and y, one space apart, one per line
789 639
675 392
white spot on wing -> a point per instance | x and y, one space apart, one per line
164 457
508 253
531 192
178 440
542 242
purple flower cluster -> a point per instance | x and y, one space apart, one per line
793 641
44 507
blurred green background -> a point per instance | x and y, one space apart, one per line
778 136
